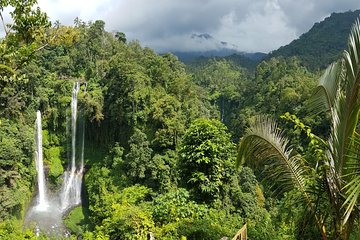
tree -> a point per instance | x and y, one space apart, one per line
15 167
206 156
25 37
330 182
121 37
139 155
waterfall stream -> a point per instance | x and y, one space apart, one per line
71 191
42 204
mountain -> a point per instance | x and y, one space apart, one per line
248 62
202 35
256 56
190 56
211 47
323 43
316 49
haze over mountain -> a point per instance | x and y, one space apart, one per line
217 48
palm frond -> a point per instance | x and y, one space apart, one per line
352 196
352 80
338 138
352 59
264 144
352 170
348 118
352 165
324 95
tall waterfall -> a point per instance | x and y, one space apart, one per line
42 200
73 123
82 146
71 191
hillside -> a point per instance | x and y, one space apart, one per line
243 61
323 43
188 57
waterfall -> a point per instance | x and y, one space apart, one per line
73 123
82 145
50 207
42 201
71 191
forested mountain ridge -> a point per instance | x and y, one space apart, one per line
188 57
323 43
237 59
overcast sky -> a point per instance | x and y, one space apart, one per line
248 25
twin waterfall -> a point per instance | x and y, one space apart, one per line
71 191
50 207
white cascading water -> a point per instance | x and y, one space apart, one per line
71 191
42 203
82 147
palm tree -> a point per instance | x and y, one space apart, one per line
337 169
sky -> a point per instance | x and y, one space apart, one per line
200 25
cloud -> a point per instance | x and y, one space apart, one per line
248 25
7 19
67 10
168 25
263 28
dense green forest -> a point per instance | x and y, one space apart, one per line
161 138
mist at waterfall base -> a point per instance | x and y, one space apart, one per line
47 209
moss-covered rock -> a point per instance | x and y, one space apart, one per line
53 158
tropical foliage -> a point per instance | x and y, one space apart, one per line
160 137
329 181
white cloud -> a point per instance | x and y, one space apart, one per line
261 25
67 10
263 28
